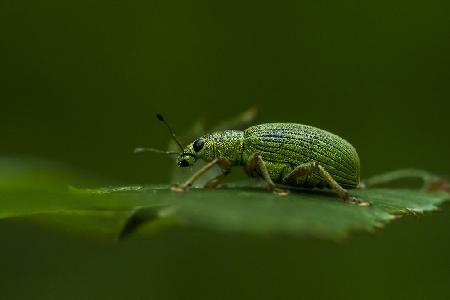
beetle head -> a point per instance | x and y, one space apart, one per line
192 152
226 144
189 154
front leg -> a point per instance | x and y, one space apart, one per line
256 163
309 168
188 183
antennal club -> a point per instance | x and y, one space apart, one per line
172 133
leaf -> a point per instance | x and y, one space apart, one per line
318 214
113 213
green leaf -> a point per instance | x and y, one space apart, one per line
40 192
319 214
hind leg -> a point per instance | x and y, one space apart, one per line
309 168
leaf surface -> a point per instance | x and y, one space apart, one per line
40 192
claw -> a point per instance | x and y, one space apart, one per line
358 202
280 192
179 188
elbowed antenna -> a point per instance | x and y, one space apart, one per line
142 150
161 118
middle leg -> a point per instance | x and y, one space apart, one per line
256 163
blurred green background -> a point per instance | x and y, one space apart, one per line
80 82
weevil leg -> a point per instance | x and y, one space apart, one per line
309 168
255 163
188 183
226 169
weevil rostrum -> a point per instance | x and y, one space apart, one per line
282 154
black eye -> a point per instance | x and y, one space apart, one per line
198 145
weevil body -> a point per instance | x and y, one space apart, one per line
287 154
282 154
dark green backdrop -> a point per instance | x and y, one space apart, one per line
80 82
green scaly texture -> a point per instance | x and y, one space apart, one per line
283 146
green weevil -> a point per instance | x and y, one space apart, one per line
284 155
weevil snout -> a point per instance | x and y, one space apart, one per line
186 159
